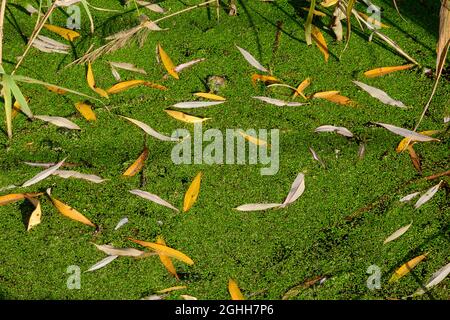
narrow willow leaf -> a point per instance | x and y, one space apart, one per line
328 3
102 263
209 96
167 62
407 267
86 111
59 122
192 192
14 197
188 297
125 85
316 156
427 195
256 141
294 291
123 252
373 21
407 133
380 95
69 212
264 78
378 72
405 142
165 260
250 59
18 95
147 129
63 32
234 290
301 87
186 65
151 6
278 102
340 130
320 41
196 104
337 98
171 289
257 206
397 233
315 12
435 279
153 26
43 174
409 197
121 223
184 117
137 165
78 175
36 215
115 74
324 94
127 66
297 189
154 198
161 249
308 23
91 82
49 45
415 159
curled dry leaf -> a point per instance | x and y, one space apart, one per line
428 195
78 175
294 291
43 174
340 130
167 62
407 267
188 297
154 198
251 60
209 96
184 116
196 104
127 66
415 159
137 165
316 157
49 45
397 233
278 102
234 290
147 129
59 122
378 72
380 95
86 111
192 192
151 6
162 249
123 252
102 263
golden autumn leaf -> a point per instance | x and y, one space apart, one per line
184 116
405 142
165 260
161 249
234 290
385 70
337 98
63 32
301 87
315 12
324 94
14 197
137 165
209 96
328 3
407 267
167 62
125 85
192 193
86 111
69 212
320 41
264 78
91 82
253 140
35 217
56 90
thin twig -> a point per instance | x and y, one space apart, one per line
438 175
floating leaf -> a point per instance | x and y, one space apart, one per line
43 174
209 96
91 82
102 263
409 197
137 165
147 129
185 117
414 136
340 130
86 111
397 233
380 95
153 198
278 102
59 122
385 70
123 252
406 268
35 217
192 193
161 249
234 290
320 41
69 212
196 104
428 195
125 85
121 223
297 189
65 174
250 59
165 260
167 62
186 65
63 32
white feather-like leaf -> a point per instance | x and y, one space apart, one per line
297 189
186 65
427 195
435 279
147 129
257 206
340 130
280 103
43 174
380 95
407 133
124 252
102 263
154 198
78 175
409 197
196 104
121 223
397 233
59 122
127 66
251 59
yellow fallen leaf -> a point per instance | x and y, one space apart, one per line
161 249
328 3
234 290
14 197
165 260
192 193
184 116
324 94
385 70
56 90
167 62
35 217
320 41
301 87
337 98
264 78
410 140
86 111
407 267
70 212
171 289
63 32
125 85
91 82
253 140
209 96
315 12
137 165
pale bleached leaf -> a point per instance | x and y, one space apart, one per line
43 174
257 206
188 297
186 65
196 104
102 263
66 3
250 59
297 189
124 252
78 175
147 129
397 233
407 133
380 95
154 198
127 66
151 6
49 45
59 122
122 222
316 156
277 102
435 279
340 130
115 74
409 197
427 195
